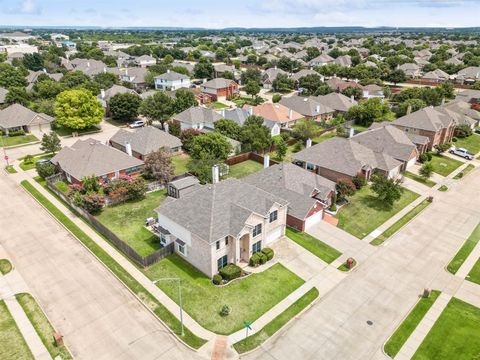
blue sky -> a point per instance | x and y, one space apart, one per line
241 13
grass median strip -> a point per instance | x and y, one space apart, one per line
163 313
406 328
419 178
474 274
464 172
400 223
5 266
42 326
315 246
276 324
464 251
10 169
12 344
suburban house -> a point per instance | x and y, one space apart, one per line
171 80
310 107
304 72
338 102
337 84
468 75
106 95
437 125
278 113
321 60
220 88
220 69
470 96
411 70
197 117
465 108
307 193
270 75
132 75
344 60
91 157
145 60
372 91
240 116
339 158
222 223
17 117
89 67
143 141
437 75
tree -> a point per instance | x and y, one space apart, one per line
312 53
212 144
93 203
202 168
33 61
136 188
252 88
369 111
184 100
168 59
354 91
203 69
228 75
313 85
426 170
45 169
17 95
228 128
463 131
50 143
106 80
281 148
78 109
396 76
90 184
345 187
254 135
158 166
387 190
10 76
187 137
410 105
158 107
124 106
305 129
283 83
441 148
75 79
47 89
251 74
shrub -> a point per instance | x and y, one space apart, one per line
262 257
423 158
454 139
16 133
217 279
77 199
225 310
285 136
276 98
90 184
45 169
254 260
359 181
28 159
443 147
230 272
298 147
115 184
75 188
268 253
137 189
463 131
93 203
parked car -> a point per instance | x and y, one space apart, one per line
477 131
42 161
462 153
137 124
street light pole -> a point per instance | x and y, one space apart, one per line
179 298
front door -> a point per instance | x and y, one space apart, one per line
245 248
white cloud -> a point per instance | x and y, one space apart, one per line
29 7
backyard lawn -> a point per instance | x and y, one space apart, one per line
464 251
426 182
126 220
248 298
474 274
471 143
288 155
217 105
180 163
16 140
12 343
365 212
455 335
244 168
443 165
314 245
321 138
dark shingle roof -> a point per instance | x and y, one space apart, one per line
146 140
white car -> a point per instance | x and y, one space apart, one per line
462 153
136 124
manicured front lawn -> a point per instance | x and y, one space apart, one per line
455 335
244 168
277 323
464 251
314 245
248 298
5 266
443 165
400 223
180 162
471 143
406 328
12 343
474 274
64 131
126 220
426 182
464 172
42 326
31 165
366 212
16 140
149 300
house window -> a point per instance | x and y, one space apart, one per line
163 240
257 247
257 230
310 167
222 262
217 245
226 240
273 216
182 248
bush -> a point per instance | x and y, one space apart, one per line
28 159
359 181
262 257
137 189
276 98
268 253
45 169
425 157
454 139
225 310
443 147
217 279
93 203
16 133
463 131
297 147
254 260
230 272
285 136
75 188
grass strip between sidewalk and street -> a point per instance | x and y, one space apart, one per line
400 223
42 326
148 299
314 245
474 274
5 266
409 324
12 343
464 172
253 341
464 251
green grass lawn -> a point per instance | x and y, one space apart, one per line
345 268
315 246
244 168
321 138
474 274
31 165
64 131
360 127
126 220
443 188
180 162
443 165
464 172
255 340
464 251
12 343
400 223
62 186
406 328
426 182
248 298
288 155
217 105
5 266
149 300
455 335
42 326
366 212
10 169
16 140
471 143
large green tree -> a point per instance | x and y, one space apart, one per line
254 135
228 127
33 61
283 83
387 190
10 76
210 145
372 110
78 109
305 129
184 100
106 80
203 69
158 107
124 106
252 88
17 95
50 143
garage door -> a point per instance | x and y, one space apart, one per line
411 162
274 235
312 220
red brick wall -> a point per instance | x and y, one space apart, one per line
295 223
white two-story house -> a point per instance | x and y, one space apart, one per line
171 80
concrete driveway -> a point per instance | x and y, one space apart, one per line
98 316
357 317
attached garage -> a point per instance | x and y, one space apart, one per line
274 235
313 219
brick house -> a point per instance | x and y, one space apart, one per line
310 107
219 88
